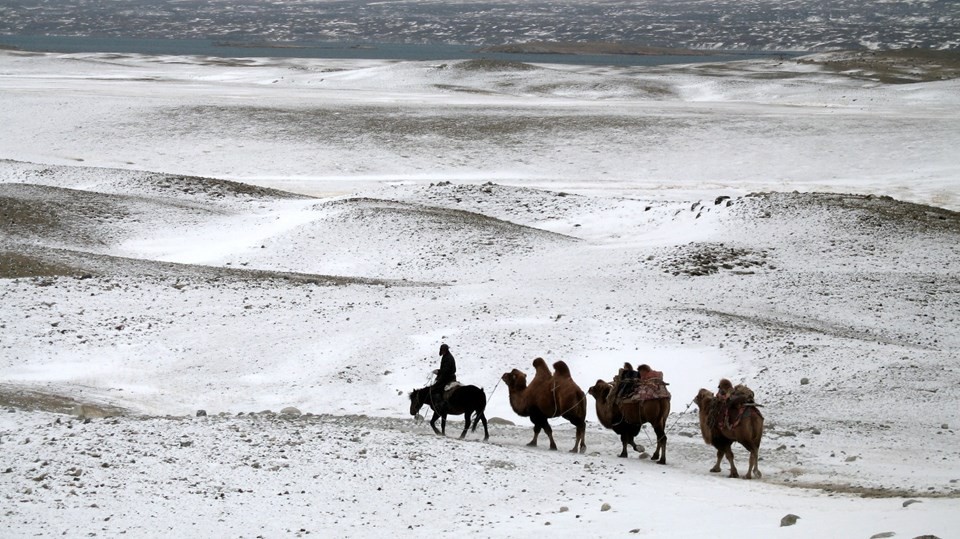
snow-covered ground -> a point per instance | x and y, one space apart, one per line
713 221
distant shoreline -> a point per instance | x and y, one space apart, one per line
596 53
595 48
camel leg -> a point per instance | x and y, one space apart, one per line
716 467
733 469
752 465
624 439
581 437
536 434
549 432
660 454
443 424
466 416
755 458
579 443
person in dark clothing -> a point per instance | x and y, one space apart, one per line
445 374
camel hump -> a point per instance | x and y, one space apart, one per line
560 369
541 366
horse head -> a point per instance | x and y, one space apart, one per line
416 402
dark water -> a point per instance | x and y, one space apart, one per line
387 51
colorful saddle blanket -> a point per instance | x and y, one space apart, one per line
645 390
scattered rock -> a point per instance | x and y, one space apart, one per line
910 502
883 535
788 520
291 411
851 458
605 507
564 509
201 413
804 381
88 411
944 426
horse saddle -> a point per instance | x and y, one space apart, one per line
449 389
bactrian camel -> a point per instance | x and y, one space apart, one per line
548 395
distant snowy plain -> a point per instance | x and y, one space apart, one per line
726 220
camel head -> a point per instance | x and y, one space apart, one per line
600 390
515 380
703 396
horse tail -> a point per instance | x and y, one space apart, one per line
481 406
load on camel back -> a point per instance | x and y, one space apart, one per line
639 385
731 416
731 404
635 397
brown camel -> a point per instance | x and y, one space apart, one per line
549 395
747 431
626 418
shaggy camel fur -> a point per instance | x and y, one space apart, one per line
549 395
748 432
630 416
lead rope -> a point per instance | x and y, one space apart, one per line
666 427
556 404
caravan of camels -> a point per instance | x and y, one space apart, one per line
632 399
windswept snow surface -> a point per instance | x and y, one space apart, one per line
247 235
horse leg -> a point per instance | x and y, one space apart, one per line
466 427
486 435
433 422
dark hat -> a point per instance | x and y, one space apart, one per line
725 384
444 348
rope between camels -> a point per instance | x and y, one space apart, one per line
556 405
667 427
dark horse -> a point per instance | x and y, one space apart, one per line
466 400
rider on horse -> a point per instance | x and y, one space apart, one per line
445 374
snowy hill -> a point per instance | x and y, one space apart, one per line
147 296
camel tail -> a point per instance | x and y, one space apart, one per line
560 369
